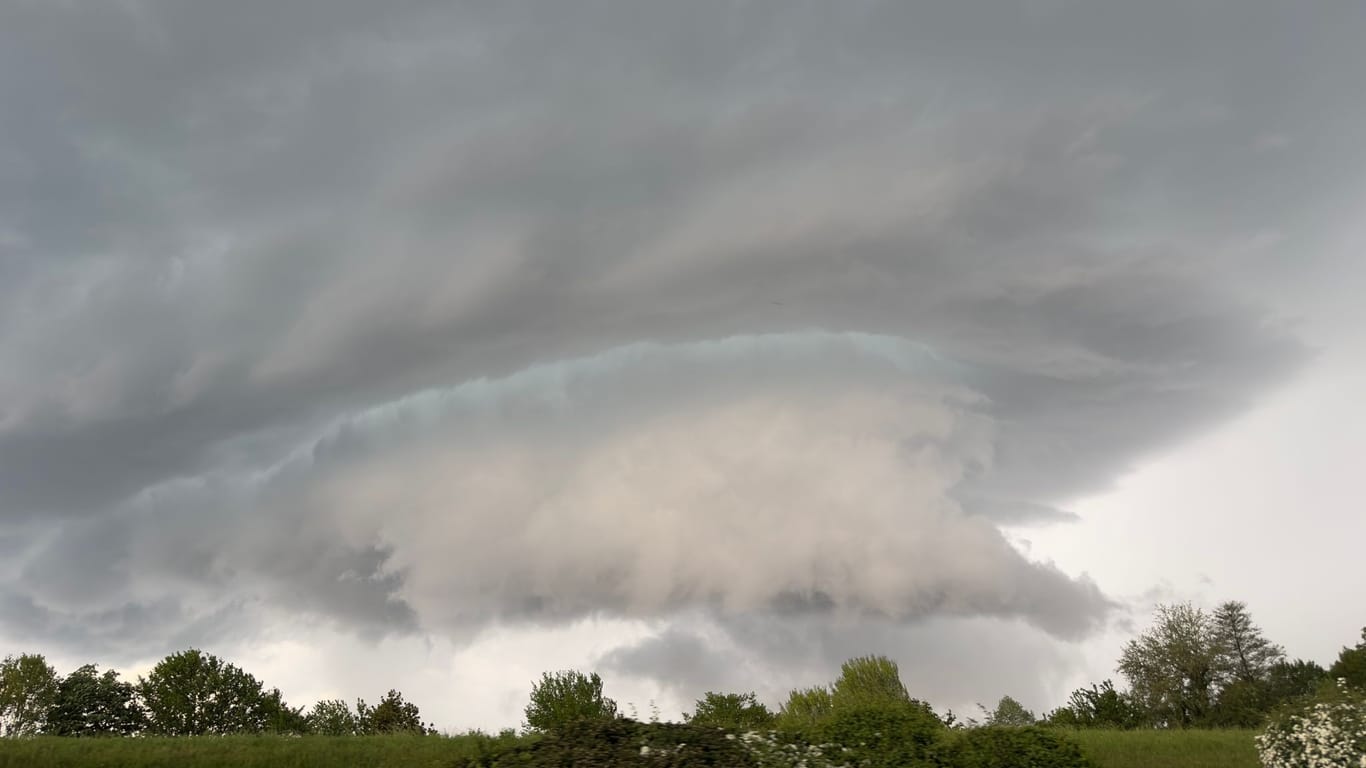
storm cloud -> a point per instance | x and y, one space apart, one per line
432 318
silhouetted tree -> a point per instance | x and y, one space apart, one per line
391 715
1245 654
90 704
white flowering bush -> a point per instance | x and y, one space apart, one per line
1328 731
775 750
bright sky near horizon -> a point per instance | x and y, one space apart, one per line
431 346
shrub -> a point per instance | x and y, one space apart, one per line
1328 731
599 743
890 735
1009 747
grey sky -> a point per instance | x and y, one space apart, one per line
735 335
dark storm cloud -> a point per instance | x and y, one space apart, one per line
233 237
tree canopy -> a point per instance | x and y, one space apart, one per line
28 688
88 703
562 697
735 711
192 693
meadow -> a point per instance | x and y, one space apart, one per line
1193 748
1108 749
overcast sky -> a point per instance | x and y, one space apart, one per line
432 345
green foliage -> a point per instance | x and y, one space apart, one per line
600 742
1097 707
1245 655
868 681
1351 664
251 751
28 687
1000 747
1327 730
193 693
1156 748
734 711
1289 680
282 718
1008 713
805 708
1111 749
332 717
391 715
564 697
90 704
1241 704
888 735
865 682
1173 666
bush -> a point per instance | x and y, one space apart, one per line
1013 747
890 735
1328 730
603 743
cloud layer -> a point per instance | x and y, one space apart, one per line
435 319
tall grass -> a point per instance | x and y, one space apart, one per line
243 752
1109 749
1177 749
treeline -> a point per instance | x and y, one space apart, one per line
190 693
1205 669
1190 669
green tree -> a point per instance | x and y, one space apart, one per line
1351 664
1009 712
1288 680
1172 667
1240 704
806 707
1100 706
563 697
391 715
1245 654
28 687
332 717
192 693
735 711
90 704
866 680
280 717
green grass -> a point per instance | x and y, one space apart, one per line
1110 749
239 752
1160 749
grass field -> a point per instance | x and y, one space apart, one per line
1110 749
237 752
1160 749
